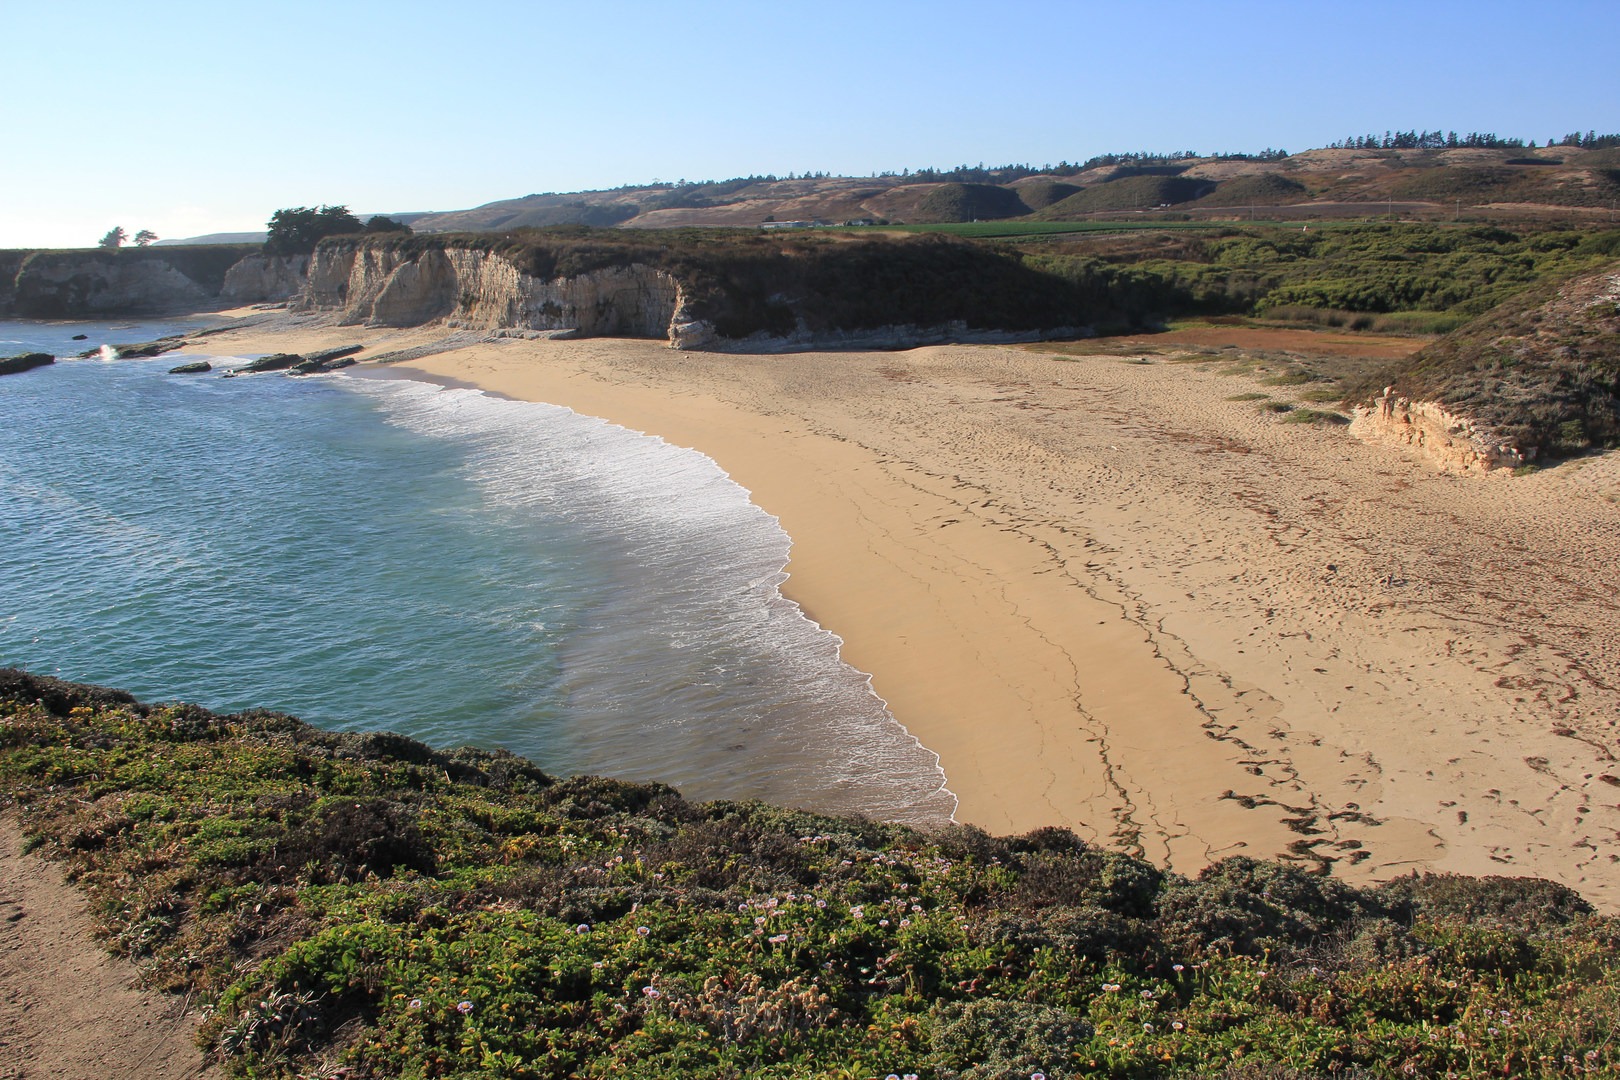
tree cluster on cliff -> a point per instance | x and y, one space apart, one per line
296 231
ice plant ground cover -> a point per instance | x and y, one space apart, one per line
363 901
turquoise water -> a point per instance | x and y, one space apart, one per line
381 553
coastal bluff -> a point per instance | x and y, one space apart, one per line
485 290
103 282
725 290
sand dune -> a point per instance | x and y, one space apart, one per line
1113 599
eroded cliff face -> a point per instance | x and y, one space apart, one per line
260 279
127 281
57 286
1455 443
484 291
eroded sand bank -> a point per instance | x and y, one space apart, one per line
1111 598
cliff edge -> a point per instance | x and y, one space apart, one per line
1537 377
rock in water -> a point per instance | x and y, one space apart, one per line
11 365
280 361
325 360
191 369
145 348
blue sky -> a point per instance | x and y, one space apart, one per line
188 118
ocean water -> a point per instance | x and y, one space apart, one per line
387 554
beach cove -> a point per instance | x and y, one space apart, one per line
1112 599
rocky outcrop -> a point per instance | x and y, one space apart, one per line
301 363
13 365
280 361
197 368
55 287
478 290
141 349
127 281
1455 443
324 360
265 279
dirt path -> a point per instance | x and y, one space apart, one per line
68 1010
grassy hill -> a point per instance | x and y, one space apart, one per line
1501 183
1127 193
361 903
1266 189
970 202
1543 368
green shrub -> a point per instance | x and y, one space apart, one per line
462 914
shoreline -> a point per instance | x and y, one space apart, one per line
1109 599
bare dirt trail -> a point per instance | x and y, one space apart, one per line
68 1009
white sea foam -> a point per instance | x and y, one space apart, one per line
691 665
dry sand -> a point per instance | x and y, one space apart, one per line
1110 598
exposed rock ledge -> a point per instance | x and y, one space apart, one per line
1455 443
470 289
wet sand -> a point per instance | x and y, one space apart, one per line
1113 599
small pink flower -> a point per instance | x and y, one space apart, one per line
464 1007
650 991
642 931
416 1003
777 939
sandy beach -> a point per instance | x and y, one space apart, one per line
1114 599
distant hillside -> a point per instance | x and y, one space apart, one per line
215 238
1128 193
970 202
1494 179
257 237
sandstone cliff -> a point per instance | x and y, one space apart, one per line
482 290
1455 443
75 284
260 279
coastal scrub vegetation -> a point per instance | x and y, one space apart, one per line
1542 369
360 902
